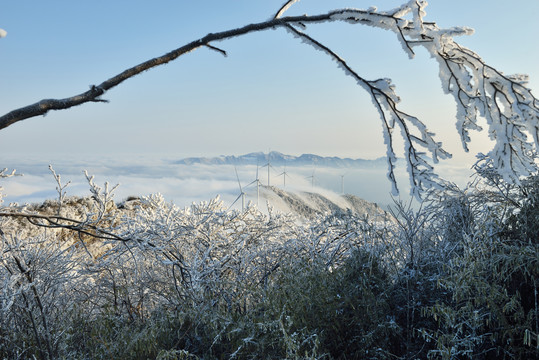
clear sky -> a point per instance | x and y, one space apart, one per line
271 92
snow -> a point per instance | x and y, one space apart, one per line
285 8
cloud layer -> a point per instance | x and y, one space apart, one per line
184 184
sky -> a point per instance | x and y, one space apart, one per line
270 92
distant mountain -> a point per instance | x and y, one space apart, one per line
277 158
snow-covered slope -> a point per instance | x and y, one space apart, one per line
307 204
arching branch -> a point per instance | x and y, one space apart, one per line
96 91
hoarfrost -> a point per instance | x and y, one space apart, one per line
511 111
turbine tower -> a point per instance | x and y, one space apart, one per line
312 179
257 181
268 164
284 174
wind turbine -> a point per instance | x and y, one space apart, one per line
242 194
312 178
257 181
342 183
284 174
269 166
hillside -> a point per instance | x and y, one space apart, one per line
307 204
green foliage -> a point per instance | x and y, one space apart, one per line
164 335
345 308
523 225
492 280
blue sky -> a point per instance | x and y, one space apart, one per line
271 92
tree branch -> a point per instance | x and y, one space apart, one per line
96 91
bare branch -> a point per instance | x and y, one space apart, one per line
96 91
223 52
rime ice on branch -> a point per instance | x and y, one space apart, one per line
511 111
5 174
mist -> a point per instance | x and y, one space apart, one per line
185 184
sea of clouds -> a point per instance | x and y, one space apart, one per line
185 184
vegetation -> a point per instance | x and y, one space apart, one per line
85 278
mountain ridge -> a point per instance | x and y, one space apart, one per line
278 158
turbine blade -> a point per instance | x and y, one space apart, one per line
237 177
239 196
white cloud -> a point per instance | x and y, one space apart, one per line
185 184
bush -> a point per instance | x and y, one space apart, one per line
345 309
491 279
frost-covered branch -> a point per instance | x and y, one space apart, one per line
5 174
284 8
383 95
59 188
61 222
511 111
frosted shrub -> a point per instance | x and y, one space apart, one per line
87 278
39 280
